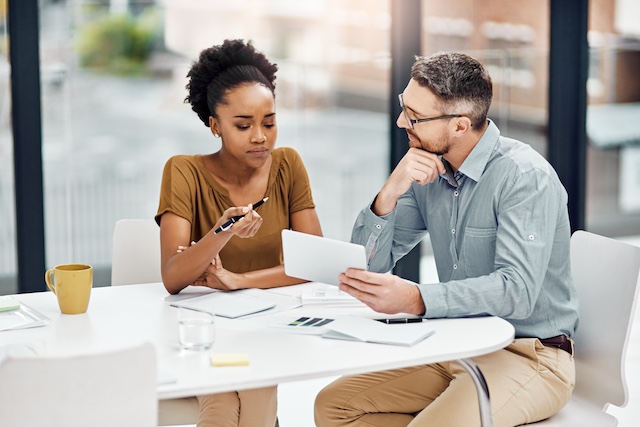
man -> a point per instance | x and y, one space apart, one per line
496 214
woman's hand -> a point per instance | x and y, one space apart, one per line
215 276
247 226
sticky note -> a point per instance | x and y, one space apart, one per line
229 359
7 304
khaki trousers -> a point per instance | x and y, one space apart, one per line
527 382
247 408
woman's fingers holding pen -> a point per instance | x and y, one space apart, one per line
248 226
234 212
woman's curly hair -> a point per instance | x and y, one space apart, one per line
223 67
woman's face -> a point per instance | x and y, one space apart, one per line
247 124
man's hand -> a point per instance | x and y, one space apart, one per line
384 293
416 165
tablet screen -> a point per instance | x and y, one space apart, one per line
319 259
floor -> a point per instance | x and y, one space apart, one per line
295 400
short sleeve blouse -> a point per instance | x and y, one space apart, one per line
190 191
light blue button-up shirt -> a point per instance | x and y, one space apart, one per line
500 233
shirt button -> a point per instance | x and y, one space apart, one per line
455 193
532 237
378 226
455 266
453 231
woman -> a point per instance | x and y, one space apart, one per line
232 90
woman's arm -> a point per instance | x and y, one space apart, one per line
180 270
305 221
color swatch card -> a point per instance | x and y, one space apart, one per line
308 325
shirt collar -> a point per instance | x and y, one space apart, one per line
448 174
476 162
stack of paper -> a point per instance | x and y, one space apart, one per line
328 295
369 330
20 317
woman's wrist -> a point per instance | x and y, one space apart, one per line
239 281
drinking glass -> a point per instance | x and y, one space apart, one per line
196 329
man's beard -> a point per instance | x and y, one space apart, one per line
441 147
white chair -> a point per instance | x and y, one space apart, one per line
606 275
116 388
136 252
136 259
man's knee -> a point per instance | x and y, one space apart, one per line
327 406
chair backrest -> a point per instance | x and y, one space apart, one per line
136 252
116 388
605 272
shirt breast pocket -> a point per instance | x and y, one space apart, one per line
479 251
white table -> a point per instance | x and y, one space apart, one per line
124 315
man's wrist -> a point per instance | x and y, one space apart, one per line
384 203
418 307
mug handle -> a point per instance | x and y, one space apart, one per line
47 279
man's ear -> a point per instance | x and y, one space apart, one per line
462 125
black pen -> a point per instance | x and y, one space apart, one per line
403 320
227 225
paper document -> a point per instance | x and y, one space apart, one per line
328 296
369 330
165 377
22 318
240 303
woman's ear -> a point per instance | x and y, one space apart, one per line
213 125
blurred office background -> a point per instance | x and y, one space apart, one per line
112 89
112 77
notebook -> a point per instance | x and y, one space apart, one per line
319 259
368 330
226 304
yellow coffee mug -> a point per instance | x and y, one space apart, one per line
72 285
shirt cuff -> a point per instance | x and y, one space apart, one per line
433 297
374 223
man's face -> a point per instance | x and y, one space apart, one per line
420 103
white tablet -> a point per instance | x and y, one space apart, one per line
319 259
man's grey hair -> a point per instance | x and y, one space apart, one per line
460 82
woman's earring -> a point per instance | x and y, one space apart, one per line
216 135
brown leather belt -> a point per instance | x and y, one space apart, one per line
561 342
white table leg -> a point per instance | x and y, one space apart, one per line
486 419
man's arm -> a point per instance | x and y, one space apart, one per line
417 165
389 238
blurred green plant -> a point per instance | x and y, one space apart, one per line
118 44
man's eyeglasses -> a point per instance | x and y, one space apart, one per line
415 121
